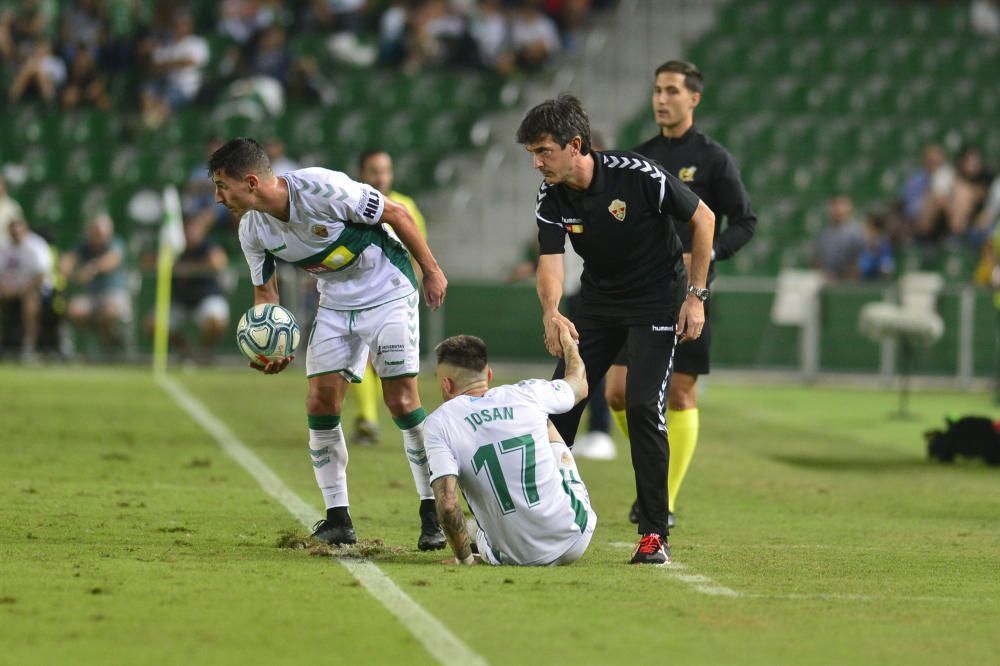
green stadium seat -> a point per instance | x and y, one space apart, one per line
186 126
303 129
82 167
358 130
799 18
844 19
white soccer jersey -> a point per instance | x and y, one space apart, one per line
333 232
498 447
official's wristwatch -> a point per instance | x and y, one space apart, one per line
701 293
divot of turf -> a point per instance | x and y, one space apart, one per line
364 549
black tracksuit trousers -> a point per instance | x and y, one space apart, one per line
650 363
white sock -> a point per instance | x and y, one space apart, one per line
329 458
413 444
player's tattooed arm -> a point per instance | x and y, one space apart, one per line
576 371
452 519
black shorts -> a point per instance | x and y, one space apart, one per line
690 358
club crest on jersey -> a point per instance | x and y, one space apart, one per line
617 208
319 230
686 174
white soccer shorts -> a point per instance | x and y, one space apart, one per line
342 340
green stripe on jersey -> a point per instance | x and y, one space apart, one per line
578 508
267 270
352 241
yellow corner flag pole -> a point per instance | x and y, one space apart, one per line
171 244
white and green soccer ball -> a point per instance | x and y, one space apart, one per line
267 332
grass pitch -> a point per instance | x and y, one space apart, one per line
811 530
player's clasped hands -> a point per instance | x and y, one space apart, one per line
555 328
274 367
565 336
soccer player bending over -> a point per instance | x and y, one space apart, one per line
331 226
497 444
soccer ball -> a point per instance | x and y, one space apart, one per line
267 332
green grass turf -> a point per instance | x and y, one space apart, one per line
128 536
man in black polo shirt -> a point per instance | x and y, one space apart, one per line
709 170
618 210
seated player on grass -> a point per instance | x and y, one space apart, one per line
518 476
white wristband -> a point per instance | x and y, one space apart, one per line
469 560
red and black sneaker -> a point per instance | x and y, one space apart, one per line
652 549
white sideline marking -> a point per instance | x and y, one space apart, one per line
442 645
706 585
700 583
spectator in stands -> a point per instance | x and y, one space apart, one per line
876 261
7 47
569 16
426 33
534 36
392 29
25 280
307 84
984 17
490 31
840 242
177 64
198 198
271 56
197 291
328 16
242 20
96 271
87 86
30 23
40 76
81 28
125 21
972 181
923 195
10 210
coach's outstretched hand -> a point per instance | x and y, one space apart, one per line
553 331
274 367
435 285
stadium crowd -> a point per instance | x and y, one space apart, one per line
164 55
145 59
944 205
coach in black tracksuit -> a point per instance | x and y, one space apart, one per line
708 169
619 211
